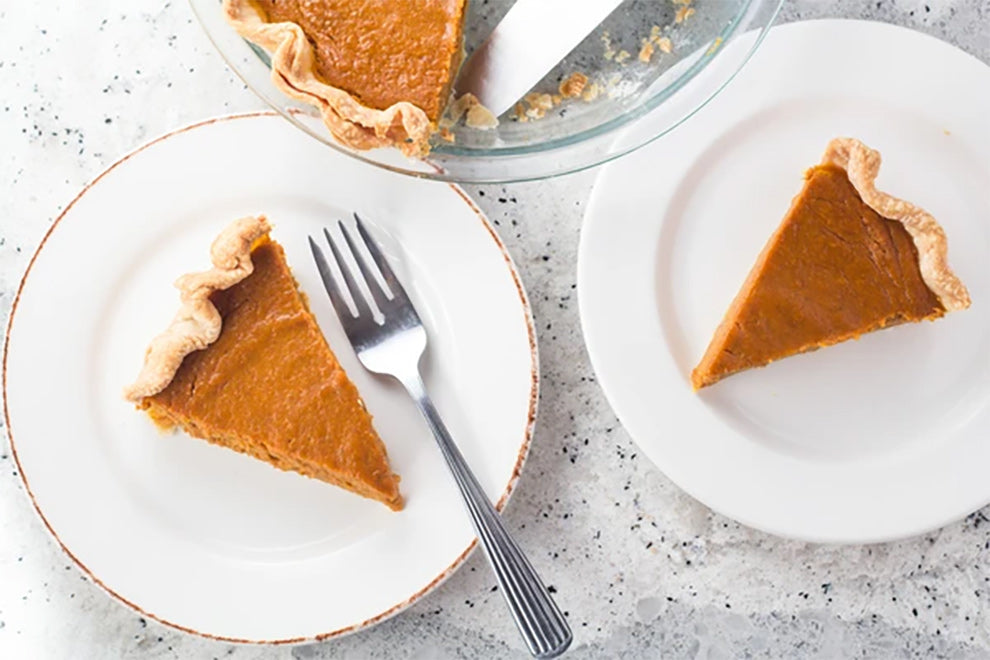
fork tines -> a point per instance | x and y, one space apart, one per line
384 298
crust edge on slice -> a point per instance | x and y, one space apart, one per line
403 125
197 323
861 165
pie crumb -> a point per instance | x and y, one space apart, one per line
519 112
591 92
646 52
683 14
536 104
607 43
478 116
475 115
539 100
536 113
573 85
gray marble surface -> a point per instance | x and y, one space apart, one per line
641 568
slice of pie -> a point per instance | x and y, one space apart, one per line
380 71
847 259
244 365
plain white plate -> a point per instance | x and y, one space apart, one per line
866 441
203 538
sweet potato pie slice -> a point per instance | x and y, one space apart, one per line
244 365
846 260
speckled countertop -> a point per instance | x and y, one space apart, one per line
641 569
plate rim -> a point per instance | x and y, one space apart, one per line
829 537
524 449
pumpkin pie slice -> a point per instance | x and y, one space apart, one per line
847 259
380 71
244 365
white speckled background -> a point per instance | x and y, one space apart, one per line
641 569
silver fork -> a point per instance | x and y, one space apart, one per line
394 348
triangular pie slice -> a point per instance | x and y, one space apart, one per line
846 260
244 365
379 71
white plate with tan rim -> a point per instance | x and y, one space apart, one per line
203 538
865 441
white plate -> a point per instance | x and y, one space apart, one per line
869 440
203 538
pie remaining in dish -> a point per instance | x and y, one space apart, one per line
380 71
847 259
244 365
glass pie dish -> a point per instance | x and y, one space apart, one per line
658 57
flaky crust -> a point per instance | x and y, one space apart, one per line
402 125
862 165
198 323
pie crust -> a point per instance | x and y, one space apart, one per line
197 323
862 165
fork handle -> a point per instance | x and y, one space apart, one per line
536 615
